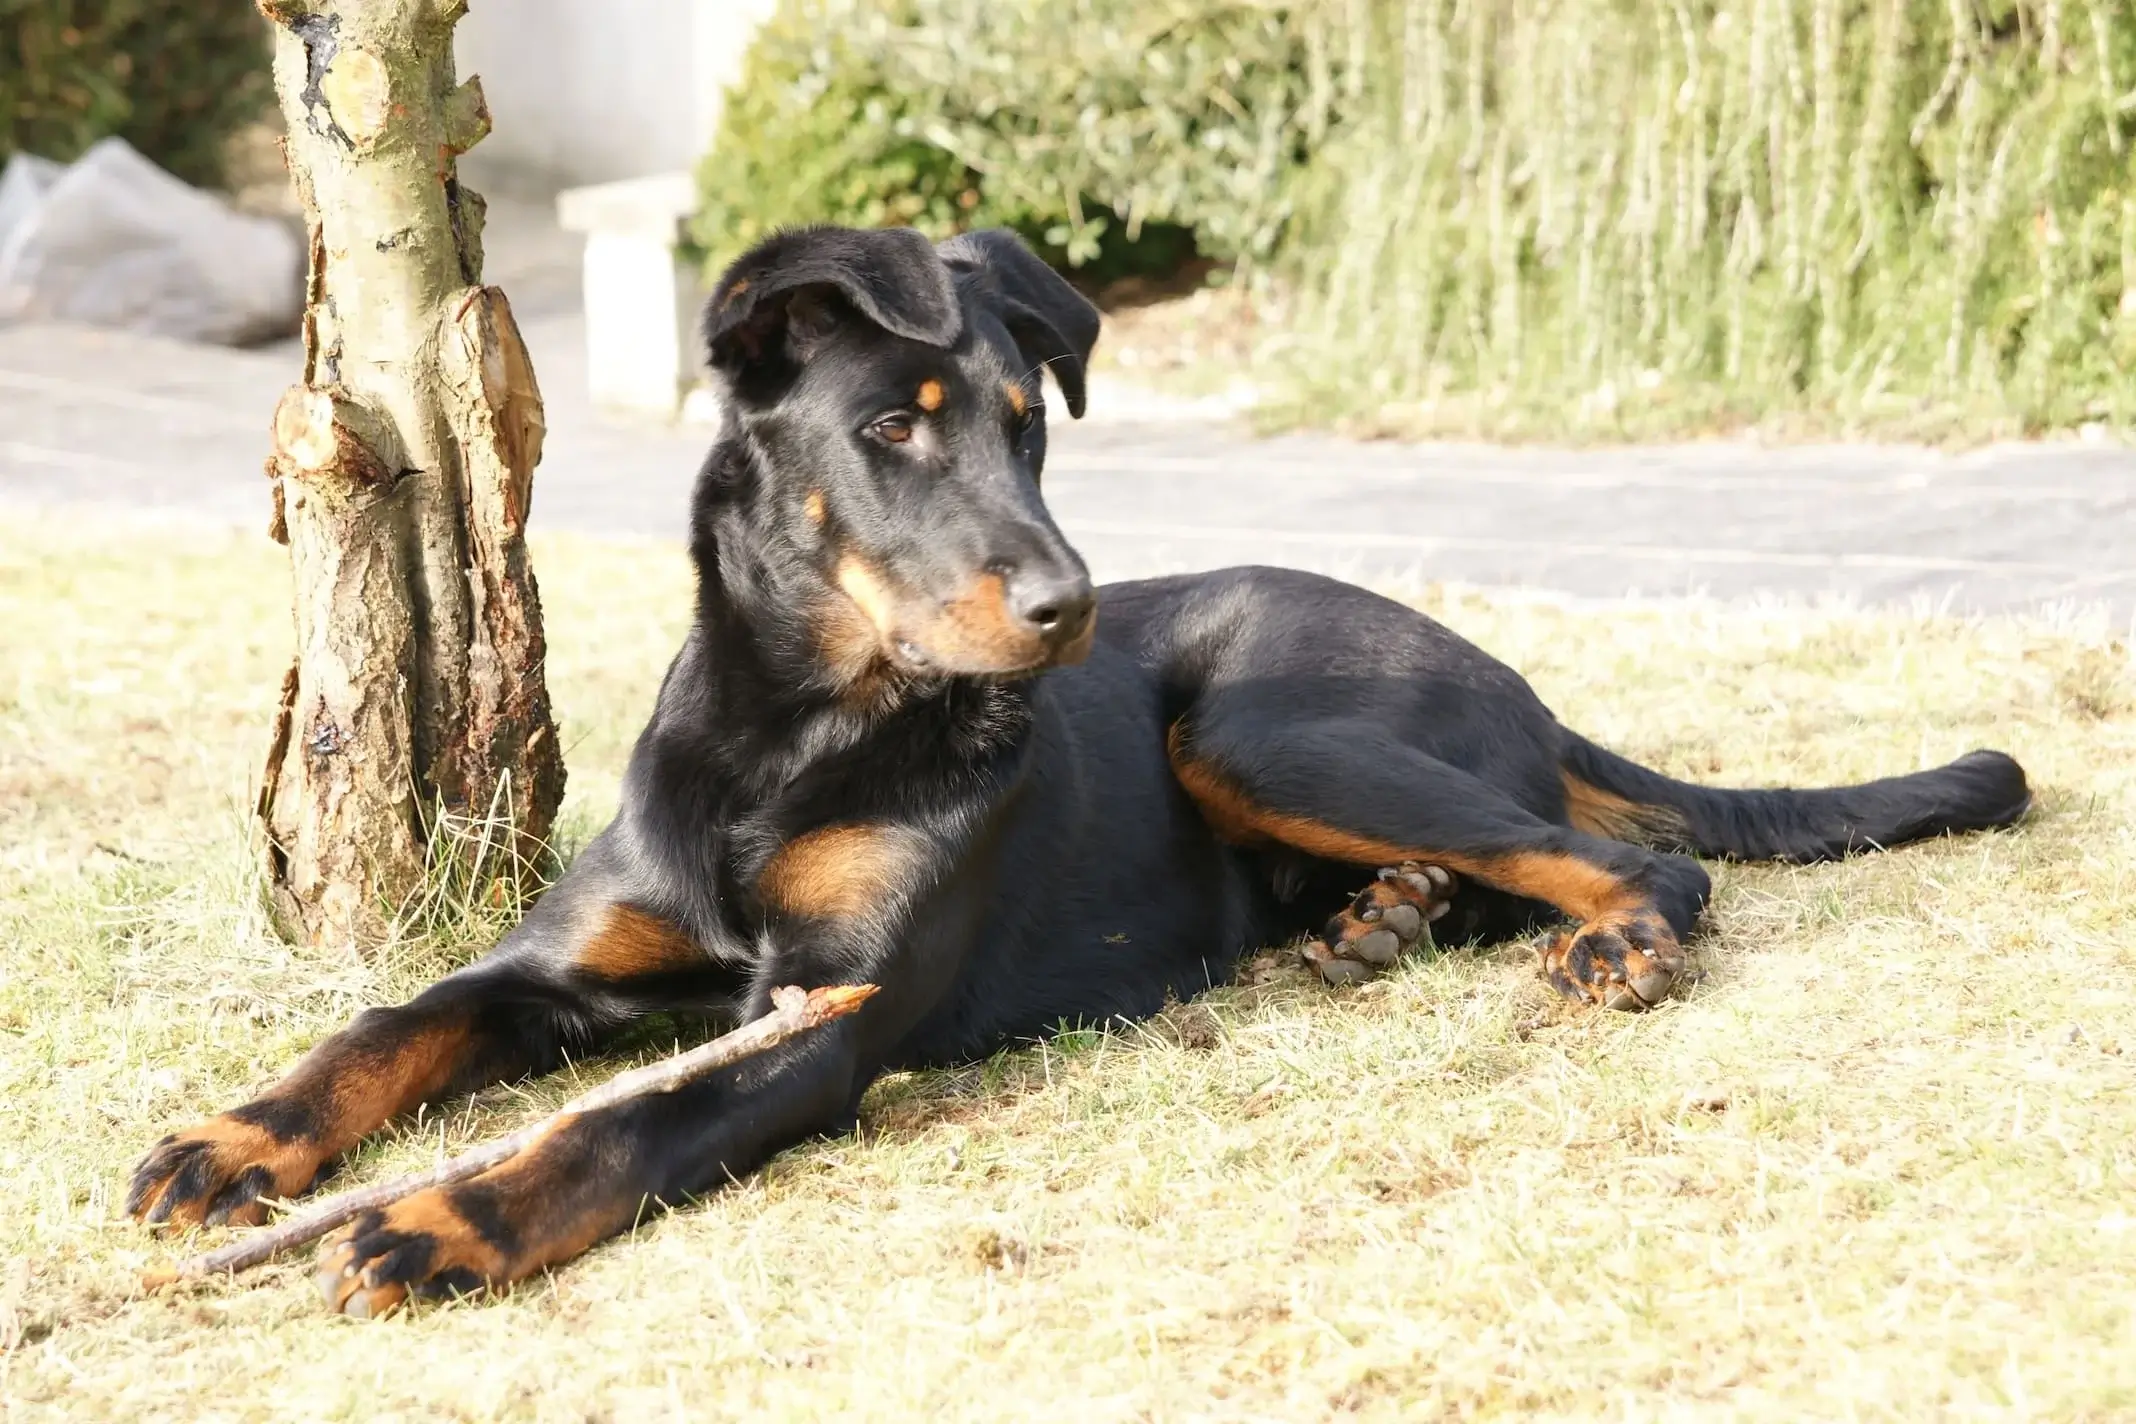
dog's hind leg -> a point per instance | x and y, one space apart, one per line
1347 790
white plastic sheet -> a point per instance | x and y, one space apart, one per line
22 187
112 240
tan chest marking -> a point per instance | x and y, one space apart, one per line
842 872
630 944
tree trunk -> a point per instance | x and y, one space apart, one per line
402 466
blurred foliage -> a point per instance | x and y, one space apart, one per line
174 78
1604 213
1522 216
1115 134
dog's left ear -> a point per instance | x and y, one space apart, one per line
891 276
1052 323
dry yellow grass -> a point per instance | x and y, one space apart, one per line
1879 1163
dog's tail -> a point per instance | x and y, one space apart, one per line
1608 796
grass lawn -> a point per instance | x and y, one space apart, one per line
1880 1162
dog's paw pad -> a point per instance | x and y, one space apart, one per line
1384 921
1627 961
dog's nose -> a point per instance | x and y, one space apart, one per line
1055 604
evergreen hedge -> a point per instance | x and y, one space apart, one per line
1103 129
1525 215
175 78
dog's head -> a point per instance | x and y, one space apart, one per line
890 393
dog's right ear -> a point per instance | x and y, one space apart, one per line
891 276
1052 324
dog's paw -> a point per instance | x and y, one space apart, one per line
423 1245
218 1172
1620 961
1386 920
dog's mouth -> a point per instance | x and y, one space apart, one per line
911 658
914 660
970 634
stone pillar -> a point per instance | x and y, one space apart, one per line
641 297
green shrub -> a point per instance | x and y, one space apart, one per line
1114 133
815 133
175 78
1594 215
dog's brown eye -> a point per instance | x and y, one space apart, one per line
894 428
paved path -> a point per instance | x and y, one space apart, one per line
94 418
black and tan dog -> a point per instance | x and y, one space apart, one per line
906 743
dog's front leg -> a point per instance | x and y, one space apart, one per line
591 1177
854 904
583 963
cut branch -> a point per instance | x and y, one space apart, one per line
794 1011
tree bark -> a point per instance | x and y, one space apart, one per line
402 466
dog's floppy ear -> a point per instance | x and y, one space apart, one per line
1050 320
892 276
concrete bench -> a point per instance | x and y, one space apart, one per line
641 297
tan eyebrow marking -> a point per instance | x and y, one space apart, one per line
931 395
1018 401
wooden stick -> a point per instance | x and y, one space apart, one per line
794 1012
